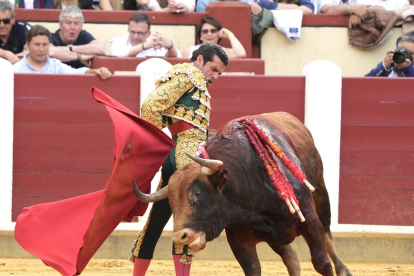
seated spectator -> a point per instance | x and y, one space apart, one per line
38 61
304 5
166 6
211 31
357 9
74 46
202 4
137 43
36 4
397 64
12 33
82 4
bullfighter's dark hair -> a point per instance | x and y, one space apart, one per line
141 17
208 51
35 31
209 20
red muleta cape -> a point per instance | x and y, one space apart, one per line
66 234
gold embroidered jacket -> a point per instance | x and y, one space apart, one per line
180 95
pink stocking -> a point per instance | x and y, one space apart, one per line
140 266
180 269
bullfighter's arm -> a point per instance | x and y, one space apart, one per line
165 95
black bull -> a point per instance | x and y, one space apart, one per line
237 195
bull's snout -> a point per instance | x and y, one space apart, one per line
184 236
195 240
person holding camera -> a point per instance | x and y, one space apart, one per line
397 63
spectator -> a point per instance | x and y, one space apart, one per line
36 4
211 31
137 43
110 5
390 68
38 61
357 9
74 46
82 4
154 5
304 5
12 33
202 4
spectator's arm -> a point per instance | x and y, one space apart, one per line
135 50
142 2
9 56
306 6
237 50
105 5
64 54
359 10
92 48
379 71
102 72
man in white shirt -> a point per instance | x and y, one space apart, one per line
38 61
138 43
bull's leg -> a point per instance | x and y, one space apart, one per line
312 232
289 257
243 245
340 268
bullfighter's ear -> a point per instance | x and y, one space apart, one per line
221 180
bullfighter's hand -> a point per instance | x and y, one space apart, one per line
354 21
256 9
388 59
103 73
361 11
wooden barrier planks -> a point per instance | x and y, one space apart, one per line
377 152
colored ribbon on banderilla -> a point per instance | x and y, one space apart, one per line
264 147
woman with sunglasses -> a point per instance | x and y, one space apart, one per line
211 31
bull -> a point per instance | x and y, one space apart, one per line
233 191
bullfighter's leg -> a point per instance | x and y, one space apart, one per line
312 232
340 268
289 257
243 245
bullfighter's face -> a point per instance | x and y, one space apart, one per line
211 70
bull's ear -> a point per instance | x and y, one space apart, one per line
221 180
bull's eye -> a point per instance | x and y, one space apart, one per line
198 193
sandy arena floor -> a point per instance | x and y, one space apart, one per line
98 267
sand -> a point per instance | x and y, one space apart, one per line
102 267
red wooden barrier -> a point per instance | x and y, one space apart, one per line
63 139
256 66
377 152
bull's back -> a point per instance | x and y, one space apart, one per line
301 141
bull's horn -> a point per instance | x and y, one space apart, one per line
210 166
154 197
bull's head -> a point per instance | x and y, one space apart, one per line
193 192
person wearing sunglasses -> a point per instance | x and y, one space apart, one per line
210 31
12 33
139 42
